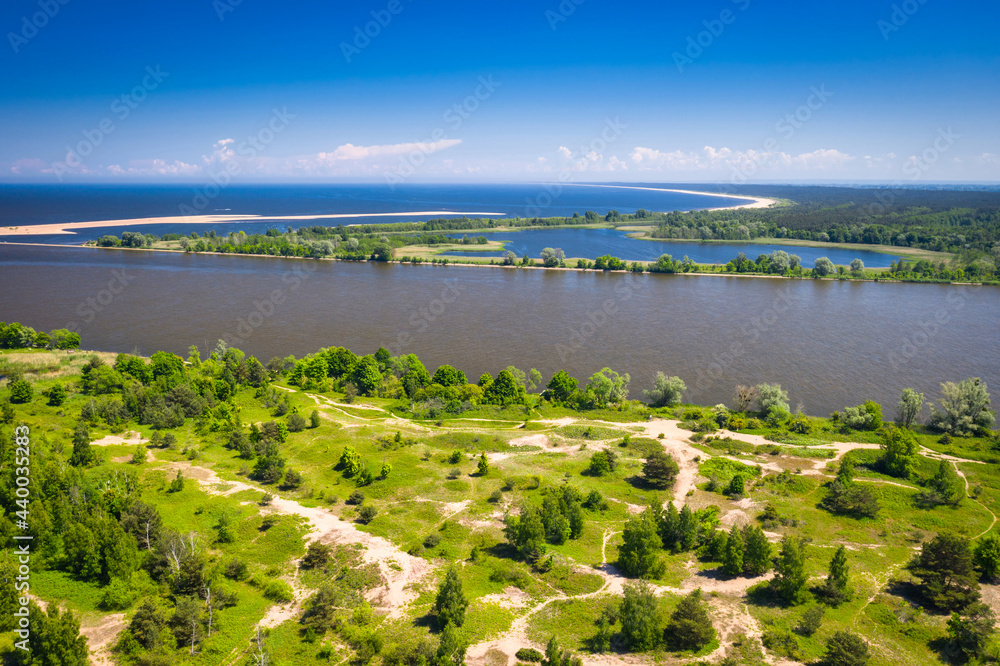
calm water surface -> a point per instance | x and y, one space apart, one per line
592 243
830 344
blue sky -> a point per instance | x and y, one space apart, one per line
726 91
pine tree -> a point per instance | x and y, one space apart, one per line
835 589
640 617
690 627
732 565
484 465
638 555
669 527
757 553
451 650
687 529
790 571
451 603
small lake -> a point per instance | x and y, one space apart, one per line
590 243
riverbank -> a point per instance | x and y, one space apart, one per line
420 254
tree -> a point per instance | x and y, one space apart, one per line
863 417
599 464
448 376
639 554
504 390
147 623
690 627
82 455
450 604
811 620
732 564
296 423
823 267
366 376
745 396
945 487
857 268
317 556
56 395
836 590
909 407
509 258
65 339
314 419
966 408
899 451
945 568
21 391
666 391
561 387
969 633
790 576
54 639
660 470
772 399
640 617
608 387
451 650
177 484
757 552
526 533
987 556
484 464
552 257
846 649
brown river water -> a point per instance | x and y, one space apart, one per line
830 344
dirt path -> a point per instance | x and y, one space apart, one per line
675 442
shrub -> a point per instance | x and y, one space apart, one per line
366 514
356 497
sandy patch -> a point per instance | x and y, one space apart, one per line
128 438
510 598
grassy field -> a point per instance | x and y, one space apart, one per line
435 509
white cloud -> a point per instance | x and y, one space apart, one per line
711 158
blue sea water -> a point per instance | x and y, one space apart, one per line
45 204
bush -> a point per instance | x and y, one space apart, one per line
529 654
296 423
356 498
432 540
366 514
21 391
279 591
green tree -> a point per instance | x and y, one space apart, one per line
640 617
317 556
772 400
790 576
811 620
666 391
909 407
945 568
660 470
21 391
970 632
690 627
757 552
57 395
314 419
836 589
366 376
899 451
83 454
639 554
987 556
146 624
484 464
965 408
846 649
504 390
608 387
451 650
945 487
450 604
823 267
526 533
561 387
732 564
669 527
448 376
54 639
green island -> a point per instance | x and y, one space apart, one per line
949 237
345 509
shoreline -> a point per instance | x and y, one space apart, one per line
756 202
535 268
65 228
